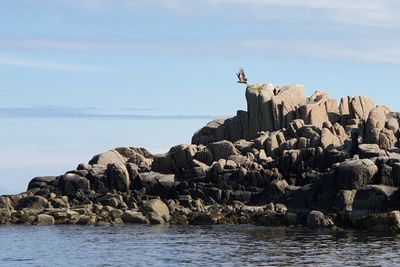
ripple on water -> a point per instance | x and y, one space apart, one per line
237 245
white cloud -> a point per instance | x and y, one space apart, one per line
36 64
382 13
344 50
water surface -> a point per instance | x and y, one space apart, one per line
227 245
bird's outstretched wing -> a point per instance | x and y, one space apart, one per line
241 76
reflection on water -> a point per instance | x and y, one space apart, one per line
192 245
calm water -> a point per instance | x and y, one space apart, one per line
135 245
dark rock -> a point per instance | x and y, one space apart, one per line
354 174
37 203
71 183
371 199
118 177
222 149
134 217
42 181
317 219
383 222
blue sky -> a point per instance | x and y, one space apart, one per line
78 77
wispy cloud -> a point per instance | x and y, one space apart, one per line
356 51
38 64
57 112
383 13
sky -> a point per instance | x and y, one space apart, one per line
78 77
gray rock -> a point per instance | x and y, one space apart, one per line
154 177
383 222
118 177
344 200
360 107
285 104
70 183
370 151
259 108
135 217
214 131
222 149
44 219
108 157
374 125
328 139
162 163
387 139
158 207
230 165
393 125
317 219
37 203
371 199
354 174
41 181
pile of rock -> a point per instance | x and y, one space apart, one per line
287 160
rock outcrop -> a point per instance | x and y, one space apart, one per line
287 160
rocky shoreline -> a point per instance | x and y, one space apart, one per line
287 160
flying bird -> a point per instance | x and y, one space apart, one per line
241 76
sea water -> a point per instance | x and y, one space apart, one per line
165 245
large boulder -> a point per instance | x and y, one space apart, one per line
158 207
178 157
44 219
374 125
36 203
259 108
108 157
354 174
135 217
317 219
371 199
212 132
315 111
70 183
382 222
328 139
360 107
182 155
118 177
41 181
139 156
222 149
370 151
285 103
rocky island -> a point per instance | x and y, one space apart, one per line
288 160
